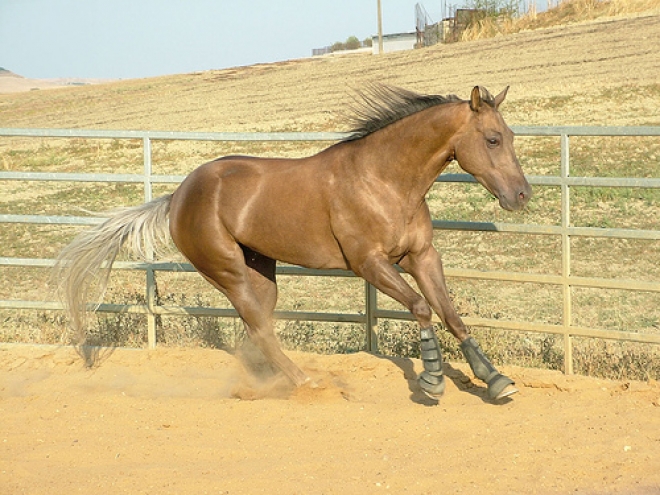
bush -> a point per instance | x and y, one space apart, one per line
352 43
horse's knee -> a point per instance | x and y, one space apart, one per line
422 312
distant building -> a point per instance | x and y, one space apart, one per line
395 42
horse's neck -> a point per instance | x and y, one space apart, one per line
412 152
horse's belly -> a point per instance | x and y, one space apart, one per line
292 239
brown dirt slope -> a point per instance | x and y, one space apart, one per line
181 421
603 72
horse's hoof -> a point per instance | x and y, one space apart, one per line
432 384
501 386
309 383
508 391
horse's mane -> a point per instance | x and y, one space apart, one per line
379 105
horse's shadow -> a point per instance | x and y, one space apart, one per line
460 379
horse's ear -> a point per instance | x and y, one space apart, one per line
475 99
500 98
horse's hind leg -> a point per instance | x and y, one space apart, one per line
249 284
261 270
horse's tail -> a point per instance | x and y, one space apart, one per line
87 261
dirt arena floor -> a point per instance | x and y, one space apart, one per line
192 421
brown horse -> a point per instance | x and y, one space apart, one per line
358 205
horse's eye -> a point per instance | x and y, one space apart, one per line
493 142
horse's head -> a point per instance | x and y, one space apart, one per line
485 149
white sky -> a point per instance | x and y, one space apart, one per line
141 38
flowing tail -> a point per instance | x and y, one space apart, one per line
87 261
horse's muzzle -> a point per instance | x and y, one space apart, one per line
516 199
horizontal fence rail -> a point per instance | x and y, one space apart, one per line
372 313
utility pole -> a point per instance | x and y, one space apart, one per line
380 29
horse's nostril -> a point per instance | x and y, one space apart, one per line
521 196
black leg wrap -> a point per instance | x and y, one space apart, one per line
431 380
484 370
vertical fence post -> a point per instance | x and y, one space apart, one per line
150 295
371 324
566 254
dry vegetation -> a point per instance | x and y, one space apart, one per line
589 73
565 12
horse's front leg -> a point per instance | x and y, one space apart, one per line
382 275
426 269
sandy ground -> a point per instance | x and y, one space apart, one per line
192 421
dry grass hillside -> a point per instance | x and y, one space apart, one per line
602 72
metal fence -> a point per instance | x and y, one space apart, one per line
372 313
